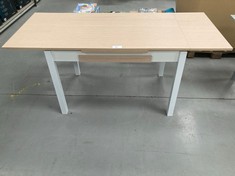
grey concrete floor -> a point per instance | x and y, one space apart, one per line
117 124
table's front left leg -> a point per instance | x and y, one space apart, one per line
56 81
176 84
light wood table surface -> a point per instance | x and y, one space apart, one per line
165 37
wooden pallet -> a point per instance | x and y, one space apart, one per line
211 54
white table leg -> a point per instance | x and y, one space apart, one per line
56 81
161 68
233 77
176 84
77 68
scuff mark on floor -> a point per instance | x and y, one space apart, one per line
24 89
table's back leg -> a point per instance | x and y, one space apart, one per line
176 84
161 68
56 81
233 77
77 68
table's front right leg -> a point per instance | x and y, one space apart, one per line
176 83
56 81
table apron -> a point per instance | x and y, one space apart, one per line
157 56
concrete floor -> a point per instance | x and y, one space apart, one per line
117 124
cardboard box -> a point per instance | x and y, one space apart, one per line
219 12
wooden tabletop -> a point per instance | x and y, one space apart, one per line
125 31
